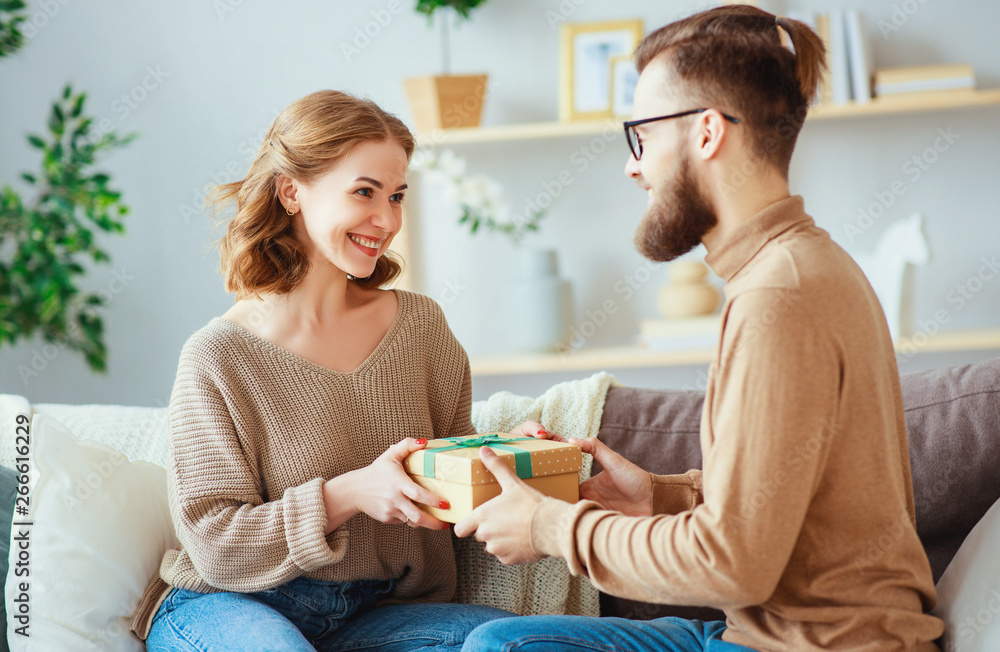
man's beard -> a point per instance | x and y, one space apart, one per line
677 220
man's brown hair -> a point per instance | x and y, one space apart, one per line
732 59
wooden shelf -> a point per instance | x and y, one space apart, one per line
911 103
631 357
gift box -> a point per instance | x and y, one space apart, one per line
451 469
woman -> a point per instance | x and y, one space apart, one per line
291 414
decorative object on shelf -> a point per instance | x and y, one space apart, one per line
889 269
688 294
624 77
446 101
686 334
46 240
924 79
479 197
539 303
585 65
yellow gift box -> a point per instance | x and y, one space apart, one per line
451 469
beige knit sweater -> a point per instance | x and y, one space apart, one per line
801 525
255 432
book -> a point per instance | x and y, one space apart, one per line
680 334
917 79
823 31
840 77
859 55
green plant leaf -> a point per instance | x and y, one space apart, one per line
53 233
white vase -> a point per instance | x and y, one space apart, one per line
539 303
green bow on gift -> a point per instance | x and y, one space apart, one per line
522 458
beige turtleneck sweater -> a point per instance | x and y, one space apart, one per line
255 432
801 524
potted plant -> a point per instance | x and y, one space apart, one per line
45 241
446 101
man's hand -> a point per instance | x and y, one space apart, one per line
504 522
621 486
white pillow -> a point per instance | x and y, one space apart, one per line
100 527
969 590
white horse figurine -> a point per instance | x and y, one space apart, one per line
889 269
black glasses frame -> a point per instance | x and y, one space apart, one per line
635 144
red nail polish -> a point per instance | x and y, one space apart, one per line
444 504
421 441
542 432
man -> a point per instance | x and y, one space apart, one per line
803 437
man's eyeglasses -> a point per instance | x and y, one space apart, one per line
632 136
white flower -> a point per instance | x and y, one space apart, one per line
453 165
423 159
478 195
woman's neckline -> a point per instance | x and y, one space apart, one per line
390 335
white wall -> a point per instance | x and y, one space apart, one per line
225 68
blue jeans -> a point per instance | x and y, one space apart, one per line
556 633
308 615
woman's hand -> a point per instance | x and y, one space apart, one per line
382 490
621 486
535 429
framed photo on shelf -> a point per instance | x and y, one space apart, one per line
585 78
624 77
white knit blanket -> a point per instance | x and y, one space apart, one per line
571 409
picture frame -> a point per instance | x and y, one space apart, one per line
624 77
586 50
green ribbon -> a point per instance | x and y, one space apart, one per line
522 458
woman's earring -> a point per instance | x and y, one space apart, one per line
289 211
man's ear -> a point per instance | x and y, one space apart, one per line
712 131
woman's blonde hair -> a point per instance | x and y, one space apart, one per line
259 251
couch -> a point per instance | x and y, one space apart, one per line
953 420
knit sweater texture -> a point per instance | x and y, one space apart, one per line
255 432
801 525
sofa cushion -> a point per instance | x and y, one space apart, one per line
100 526
969 590
953 423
